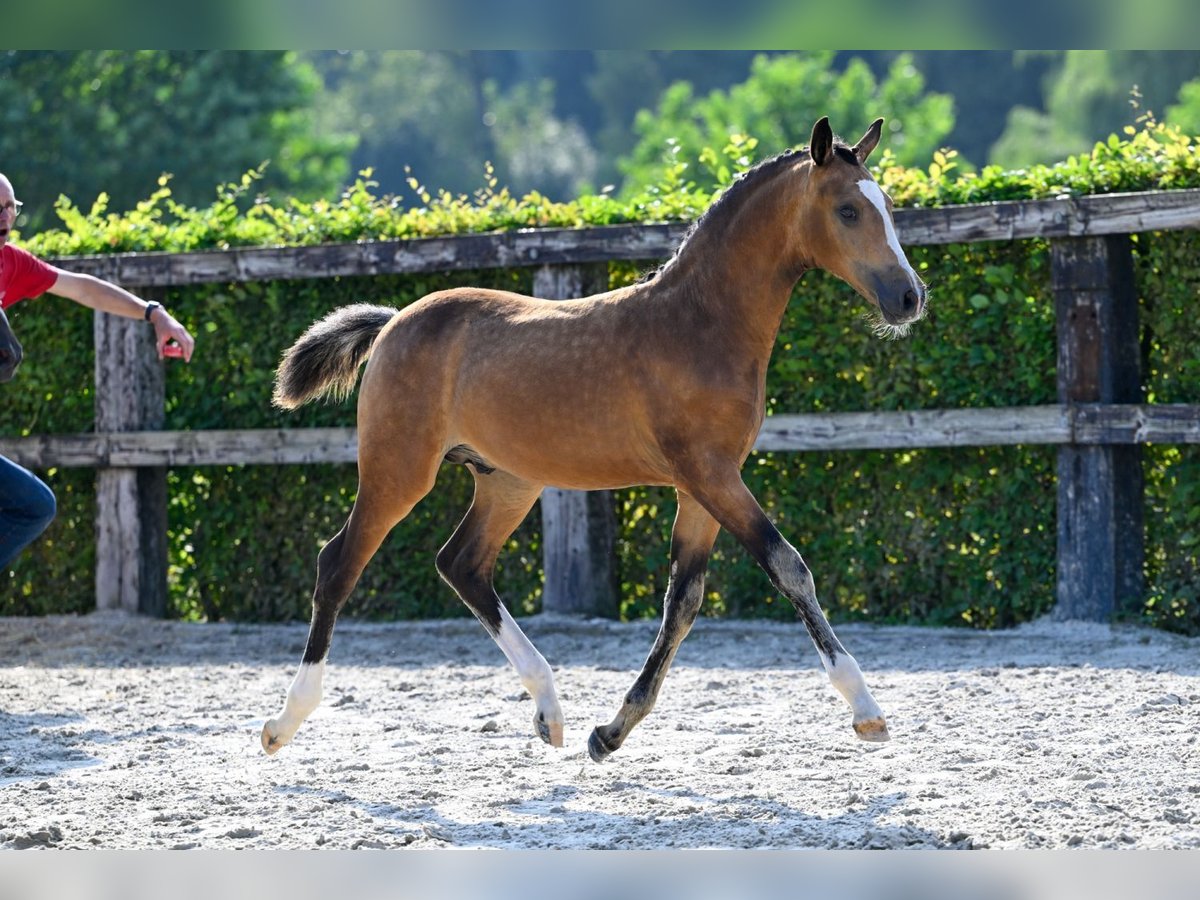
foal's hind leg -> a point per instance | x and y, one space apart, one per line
691 540
381 503
467 563
725 495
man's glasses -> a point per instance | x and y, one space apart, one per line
14 208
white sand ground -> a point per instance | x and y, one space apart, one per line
121 732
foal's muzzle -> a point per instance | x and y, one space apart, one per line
901 304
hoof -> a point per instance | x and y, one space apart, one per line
598 748
873 730
550 732
271 741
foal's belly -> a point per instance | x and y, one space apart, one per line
571 451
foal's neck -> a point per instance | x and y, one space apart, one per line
740 264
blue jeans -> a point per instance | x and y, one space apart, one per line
26 507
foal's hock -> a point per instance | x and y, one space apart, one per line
661 382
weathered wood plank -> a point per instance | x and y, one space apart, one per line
1131 423
1083 424
578 537
1100 529
916 428
1082 216
526 247
1098 215
186 448
131 503
118 526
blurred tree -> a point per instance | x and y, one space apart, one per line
621 82
778 105
409 108
535 150
84 122
985 85
1089 95
1186 113
445 114
534 114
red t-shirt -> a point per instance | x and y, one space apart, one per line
22 275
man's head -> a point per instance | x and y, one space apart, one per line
10 208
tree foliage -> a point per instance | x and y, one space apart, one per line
1089 95
1186 113
411 110
778 105
446 115
83 123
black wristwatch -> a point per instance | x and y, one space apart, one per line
150 308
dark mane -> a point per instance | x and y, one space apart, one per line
731 197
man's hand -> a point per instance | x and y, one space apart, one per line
167 329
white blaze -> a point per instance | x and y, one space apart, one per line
874 194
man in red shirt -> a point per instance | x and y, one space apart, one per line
27 505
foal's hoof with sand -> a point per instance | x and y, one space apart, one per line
598 748
272 740
550 732
874 730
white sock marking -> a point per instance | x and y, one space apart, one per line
531 666
302 698
847 679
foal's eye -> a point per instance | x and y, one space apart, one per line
848 213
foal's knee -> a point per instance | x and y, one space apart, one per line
790 574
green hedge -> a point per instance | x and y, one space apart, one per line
961 536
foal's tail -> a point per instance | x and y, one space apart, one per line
326 358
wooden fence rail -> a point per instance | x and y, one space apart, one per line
1081 424
1098 424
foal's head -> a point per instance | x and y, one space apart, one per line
849 230
10 350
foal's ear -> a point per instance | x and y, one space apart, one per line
864 147
820 145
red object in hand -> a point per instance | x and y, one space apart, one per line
173 350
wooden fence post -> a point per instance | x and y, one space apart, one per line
131 503
1100 522
578 528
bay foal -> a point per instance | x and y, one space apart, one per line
661 382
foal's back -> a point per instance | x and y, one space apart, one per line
567 392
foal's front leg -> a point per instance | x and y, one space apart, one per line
691 540
730 501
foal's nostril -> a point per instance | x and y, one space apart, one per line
909 303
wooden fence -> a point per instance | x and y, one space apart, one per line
1098 423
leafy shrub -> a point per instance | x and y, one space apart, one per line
961 536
